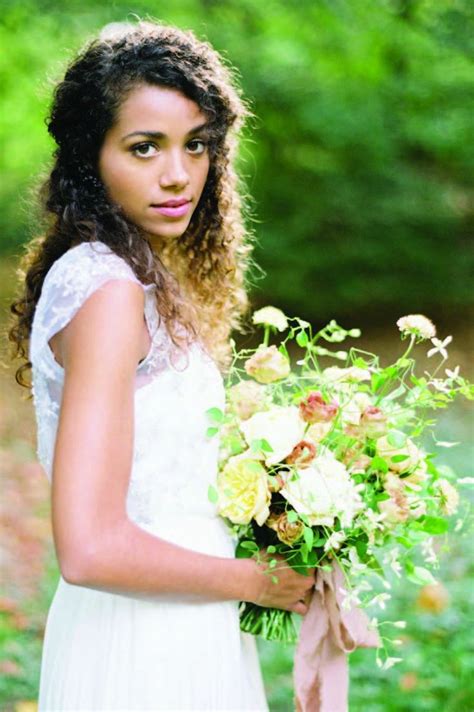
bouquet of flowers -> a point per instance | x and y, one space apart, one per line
324 466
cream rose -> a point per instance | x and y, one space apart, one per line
267 365
280 426
243 492
413 455
246 398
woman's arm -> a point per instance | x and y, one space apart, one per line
96 542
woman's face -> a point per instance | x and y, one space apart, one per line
156 152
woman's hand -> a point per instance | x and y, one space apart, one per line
291 591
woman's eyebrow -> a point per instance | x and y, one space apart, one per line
159 134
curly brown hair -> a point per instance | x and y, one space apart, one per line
201 276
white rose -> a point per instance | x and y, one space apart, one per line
280 426
323 491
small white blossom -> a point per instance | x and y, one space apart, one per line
428 552
380 600
452 374
400 624
440 347
271 316
390 662
417 325
466 481
392 560
335 540
439 384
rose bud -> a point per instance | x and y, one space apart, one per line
267 365
314 409
373 422
302 454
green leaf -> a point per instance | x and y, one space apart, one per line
271 549
404 541
215 415
210 432
245 549
399 458
212 494
302 339
435 525
292 516
378 464
421 576
308 537
283 350
261 445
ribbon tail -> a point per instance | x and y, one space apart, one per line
309 651
328 632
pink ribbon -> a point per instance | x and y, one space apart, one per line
328 632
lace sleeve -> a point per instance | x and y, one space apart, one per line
69 283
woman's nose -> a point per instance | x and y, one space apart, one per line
174 171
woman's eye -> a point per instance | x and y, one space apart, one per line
142 150
198 144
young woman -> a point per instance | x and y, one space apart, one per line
129 300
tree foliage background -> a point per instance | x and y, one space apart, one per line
359 161
358 165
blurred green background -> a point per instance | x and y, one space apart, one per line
359 170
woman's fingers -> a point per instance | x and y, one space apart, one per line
300 608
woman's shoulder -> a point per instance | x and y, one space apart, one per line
70 281
80 264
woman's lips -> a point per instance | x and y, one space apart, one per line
176 212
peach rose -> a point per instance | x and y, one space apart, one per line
267 365
287 532
373 422
314 409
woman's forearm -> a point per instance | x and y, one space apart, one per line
128 559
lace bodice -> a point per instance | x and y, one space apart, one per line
174 462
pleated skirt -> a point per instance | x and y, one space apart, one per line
105 651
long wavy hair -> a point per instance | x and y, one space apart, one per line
201 276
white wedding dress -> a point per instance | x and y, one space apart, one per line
105 651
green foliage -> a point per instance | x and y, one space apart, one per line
436 672
360 158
